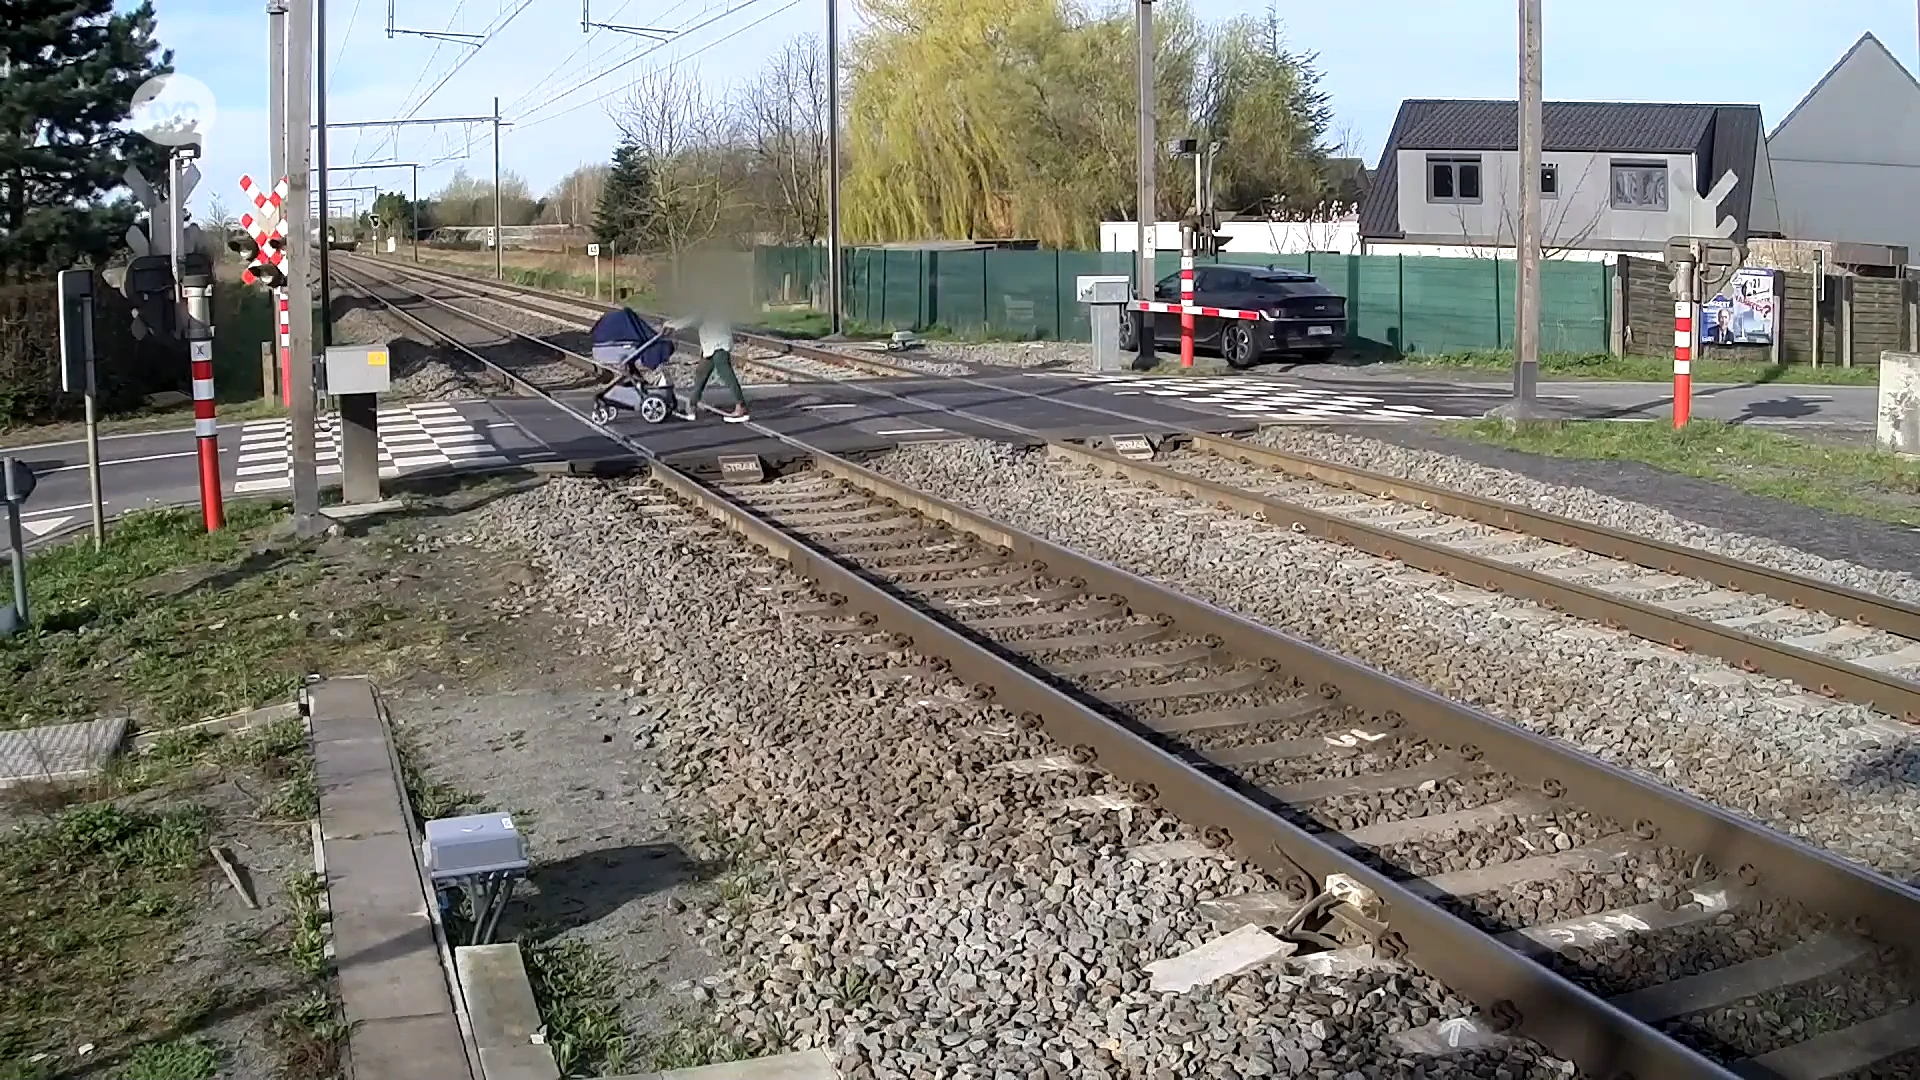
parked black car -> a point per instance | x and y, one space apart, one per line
1299 316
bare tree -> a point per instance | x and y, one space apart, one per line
680 132
780 120
576 198
218 223
1561 232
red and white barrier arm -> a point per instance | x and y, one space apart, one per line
1191 309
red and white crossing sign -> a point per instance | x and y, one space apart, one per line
268 230
261 198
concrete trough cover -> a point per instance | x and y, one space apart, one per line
59 751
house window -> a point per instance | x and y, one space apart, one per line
1639 185
1453 179
1550 181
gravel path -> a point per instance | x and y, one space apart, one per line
895 898
1059 355
1677 508
1837 775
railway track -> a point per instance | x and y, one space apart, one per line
1834 641
1631 929
795 361
1839 642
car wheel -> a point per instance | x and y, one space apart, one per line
1130 331
1236 344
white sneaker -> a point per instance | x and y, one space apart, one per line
737 418
684 413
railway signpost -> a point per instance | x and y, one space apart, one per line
594 250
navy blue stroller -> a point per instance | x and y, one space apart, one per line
637 355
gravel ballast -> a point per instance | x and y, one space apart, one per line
1446 470
1837 775
897 898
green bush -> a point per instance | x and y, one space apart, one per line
128 369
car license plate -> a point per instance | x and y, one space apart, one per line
1319 331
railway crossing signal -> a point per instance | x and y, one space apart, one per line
265 245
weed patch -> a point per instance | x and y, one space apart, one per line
573 986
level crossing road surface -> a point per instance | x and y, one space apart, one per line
1843 408
423 438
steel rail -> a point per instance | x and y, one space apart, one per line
1885 613
1826 675
568 356
1832 677
1536 1002
1542 1005
541 298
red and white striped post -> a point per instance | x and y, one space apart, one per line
198 292
1686 325
1186 300
286 346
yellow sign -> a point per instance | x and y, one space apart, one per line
377 358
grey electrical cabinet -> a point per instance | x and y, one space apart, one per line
358 369
473 846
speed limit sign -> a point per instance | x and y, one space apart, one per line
593 251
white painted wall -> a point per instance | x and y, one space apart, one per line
1492 251
1580 215
1246 237
1846 161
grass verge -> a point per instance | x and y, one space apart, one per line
98 883
574 989
1843 479
1601 367
169 623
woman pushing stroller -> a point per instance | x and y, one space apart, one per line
626 345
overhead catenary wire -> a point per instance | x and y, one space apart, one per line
523 124
732 8
590 39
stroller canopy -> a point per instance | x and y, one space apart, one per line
623 327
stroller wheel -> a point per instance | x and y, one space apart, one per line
602 413
653 410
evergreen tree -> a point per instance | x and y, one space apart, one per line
628 208
393 213
68 72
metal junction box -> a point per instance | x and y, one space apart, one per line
1106 296
358 369
1103 289
473 846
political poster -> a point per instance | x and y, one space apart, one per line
1746 312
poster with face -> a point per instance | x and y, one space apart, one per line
1746 312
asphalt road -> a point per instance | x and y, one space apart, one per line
138 469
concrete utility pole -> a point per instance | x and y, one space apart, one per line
1144 249
326 223
834 310
303 476
1526 315
499 238
277 89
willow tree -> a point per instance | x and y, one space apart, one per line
975 118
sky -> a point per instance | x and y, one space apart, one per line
554 81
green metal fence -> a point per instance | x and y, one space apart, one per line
1394 302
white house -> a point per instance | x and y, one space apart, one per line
1846 160
1616 178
